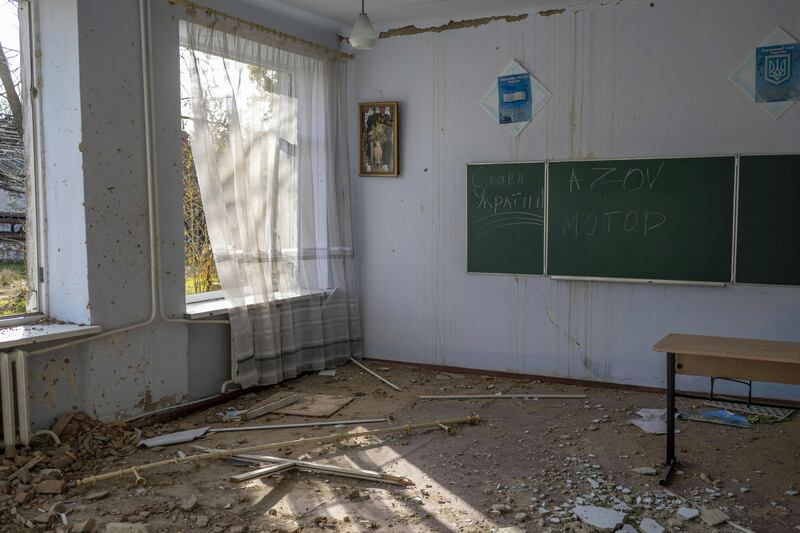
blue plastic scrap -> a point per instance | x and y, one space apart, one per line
718 416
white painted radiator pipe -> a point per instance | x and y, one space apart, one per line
14 398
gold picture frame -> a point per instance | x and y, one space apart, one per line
377 139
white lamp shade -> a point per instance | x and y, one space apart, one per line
363 36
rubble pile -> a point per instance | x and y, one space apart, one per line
92 439
35 478
567 467
575 494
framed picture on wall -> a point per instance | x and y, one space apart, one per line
377 144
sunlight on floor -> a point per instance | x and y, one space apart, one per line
428 501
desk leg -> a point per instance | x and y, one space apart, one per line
671 461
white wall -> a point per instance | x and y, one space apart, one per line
628 80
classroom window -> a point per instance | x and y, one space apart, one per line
19 265
254 87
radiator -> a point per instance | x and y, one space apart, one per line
14 392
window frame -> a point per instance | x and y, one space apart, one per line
204 296
35 251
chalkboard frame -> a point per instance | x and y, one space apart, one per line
544 162
736 222
644 281
734 234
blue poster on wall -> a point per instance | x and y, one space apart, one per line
778 73
514 91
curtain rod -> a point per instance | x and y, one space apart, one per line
211 12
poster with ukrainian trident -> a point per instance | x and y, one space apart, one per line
514 92
778 73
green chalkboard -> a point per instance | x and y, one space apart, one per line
767 248
649 219
505 218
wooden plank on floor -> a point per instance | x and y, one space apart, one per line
273 403
316 405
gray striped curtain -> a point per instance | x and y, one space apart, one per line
269 139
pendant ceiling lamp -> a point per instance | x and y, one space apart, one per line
363 36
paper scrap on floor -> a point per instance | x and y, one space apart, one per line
174 438
231 415
653 421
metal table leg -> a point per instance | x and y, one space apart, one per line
671 460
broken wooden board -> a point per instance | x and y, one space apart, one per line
62 423
316 405
22 471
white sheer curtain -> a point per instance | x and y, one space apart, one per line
269 140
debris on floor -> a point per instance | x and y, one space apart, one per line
225 453
190 435
178 437
500 396
648 525
713 517
282 464
89 437
316 405
443 376
716 416
687 513
230 415
600 518
652 421
368 370
273 403
125 527
762 413
529 466
315 424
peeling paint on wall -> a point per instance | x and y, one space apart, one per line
147 404
452 25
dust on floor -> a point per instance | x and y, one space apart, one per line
525 467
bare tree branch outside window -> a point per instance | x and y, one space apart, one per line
14 286
10 90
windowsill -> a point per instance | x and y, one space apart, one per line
204 296
14 336
206 309
217 307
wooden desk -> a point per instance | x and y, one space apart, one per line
725 357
